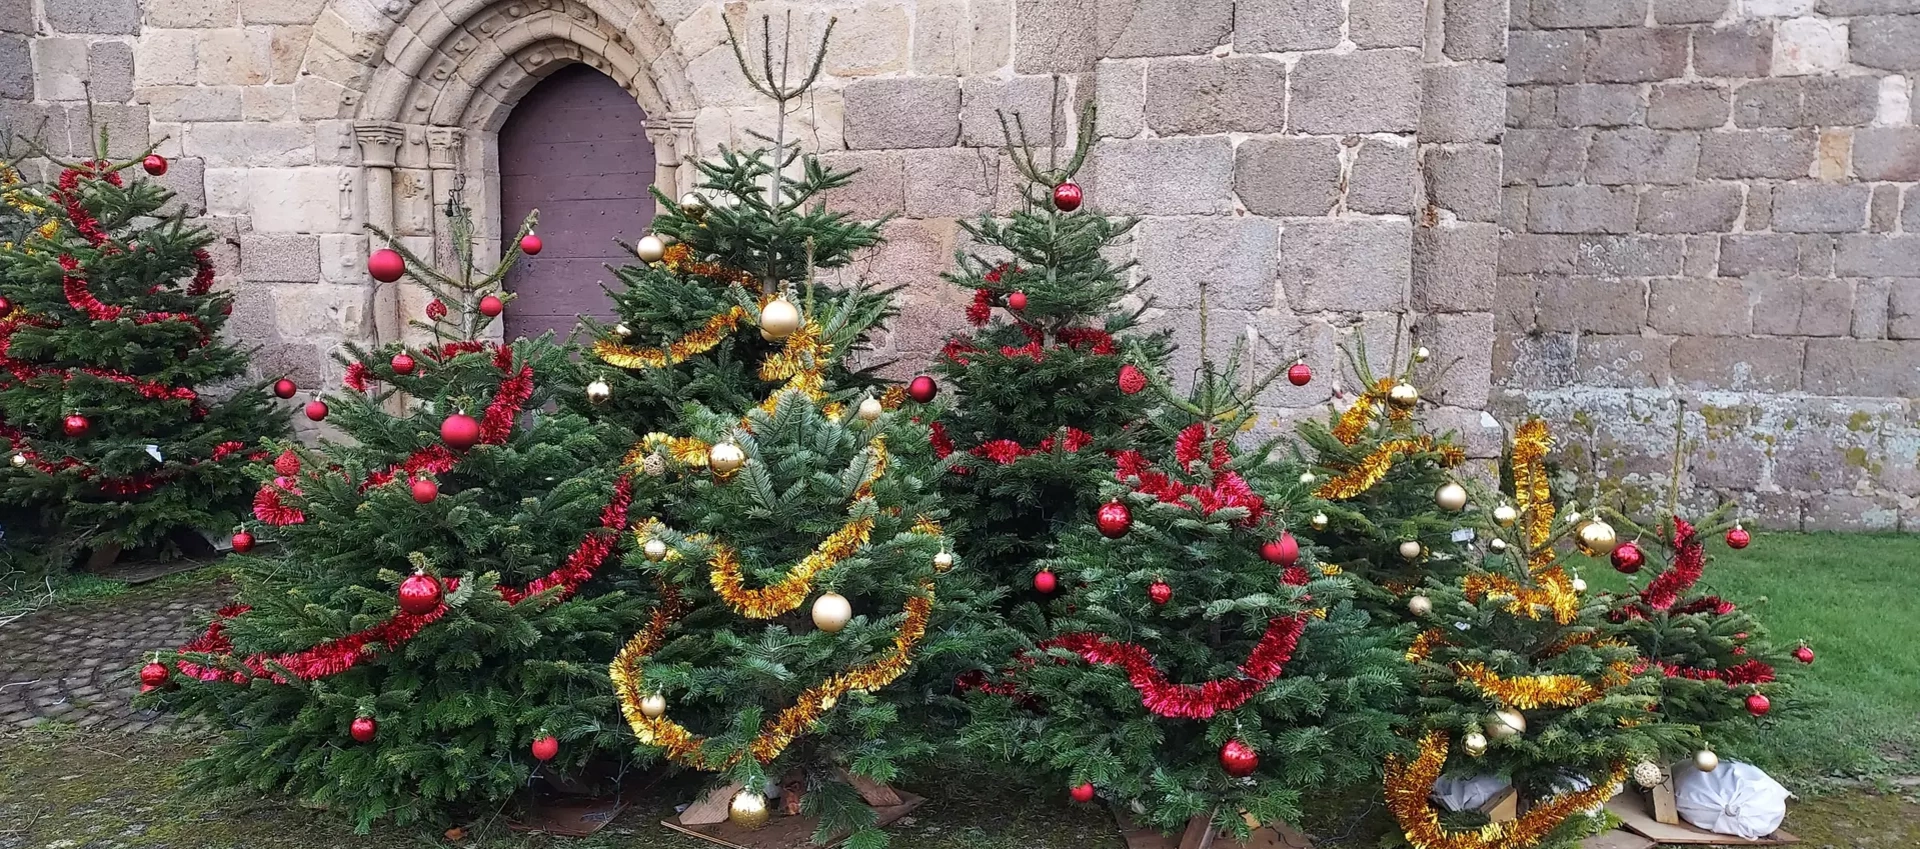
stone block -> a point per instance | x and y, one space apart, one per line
95 17
279 11
227 194
166 57
984 100
1845 511
319 99
1743 254
1590 304
16 68
990 43
1877 255
280 257
1697 307
1910 213
1737 364
1705 208
1381 179
289 53
1773 102
1636 55
186 177
1287 176
951 183
1903 307
1203 96
1533 362
196 14
1587 14
1743 50
1866 7
1741 154
1545 157
1386 23
1284 26
267 103
1513 309
940 36
1688 106
128 127
1600 106
235 57
323 310
343 258
1809 45
1841 101
1580 209
1816 255
1463 103
1161 27
1891 42
1235 258
878 187
1628 256
295 200
1875 369
1475 29
1623 362
1120 90
1529 253
1688 11
1887 153
915 252
110 71
1055 36
902 112
1453 267
1513 207
1467 341
1369 91
1803 207
1801 306
60 68
1346 265
1873 307
1884 211
1535 56
1179 176
191 104
1465 179
1643 156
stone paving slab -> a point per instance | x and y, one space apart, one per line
80 664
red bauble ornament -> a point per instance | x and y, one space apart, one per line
491 306
1083 793
922 389
155 164
154 675
1017 301
1758 704
546 747
402 364
1132 379
1114 520
284 388
316 409
425 490
76 425
1299 373
1238 760
1160 592
364 728
1284 551
1803 654
242 542
6 306
460 431
1066 196
386 265
530 244
1737 538
420 594
1045 581
1628 559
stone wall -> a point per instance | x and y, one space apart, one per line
1714 202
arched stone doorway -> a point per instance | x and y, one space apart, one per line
575 147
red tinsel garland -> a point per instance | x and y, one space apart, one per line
357 376
1741 674
1228 489
981 309
1689 561
1191 701
127 487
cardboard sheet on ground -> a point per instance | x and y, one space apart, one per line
579 816
1632 808
1197 836
784 832
1618 838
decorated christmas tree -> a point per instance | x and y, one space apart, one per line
1045 394
1201 661
109 342
432 623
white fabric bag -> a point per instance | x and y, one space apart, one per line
1468 794
1737 799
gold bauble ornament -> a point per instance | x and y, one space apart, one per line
1306 477
779 319
1505 515
622 330
19 461
943 561
653 705
1475 743
748 810
598 392
1421 354
869 410
1506 723
1451 497
1403 396
1498 544
1596 539
1410 549
693 205
1579 585
1648 774
1319 521
831 612
650 248
725 458
655 549
1420 605
1705 760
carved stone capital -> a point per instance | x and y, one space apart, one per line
443 146
379 142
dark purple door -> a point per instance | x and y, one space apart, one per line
576 149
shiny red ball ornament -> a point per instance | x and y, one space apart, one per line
1628 559
922 389
420 594
154 675
155 164
530 244
491 306
363 729
460 432
1067 196
402 364
1132 379
76 425
386 265
1737 538
6 306
1114 520
1758 704
1284 551
242 542
284 388
1238 760
1045 581
425 490
1160 592
316 409
1299 374
1017 301
1803 654
1083 793
545 748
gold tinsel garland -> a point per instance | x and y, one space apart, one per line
1374 467
1410 784
1424 644
1531 489
1354 421
678 351
1553 594
792 589
1536 691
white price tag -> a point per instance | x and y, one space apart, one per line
1462 534
154 452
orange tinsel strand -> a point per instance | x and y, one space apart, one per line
792 589
678 351
1371 469
1409 784
1553 596
1531 488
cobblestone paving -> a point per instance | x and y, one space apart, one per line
79 664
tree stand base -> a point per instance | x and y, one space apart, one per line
782 831
1199 834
